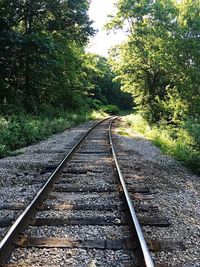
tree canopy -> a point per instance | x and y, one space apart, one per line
42 57
41 47
102 85
159 62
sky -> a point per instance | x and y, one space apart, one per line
100 44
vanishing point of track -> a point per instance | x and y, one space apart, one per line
89 169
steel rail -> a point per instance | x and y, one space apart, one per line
7 244
147 259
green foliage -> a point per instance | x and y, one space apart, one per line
137 122
180 142
159 63
20 130
98 114
42 45
101 84
43 62
47 81
111 109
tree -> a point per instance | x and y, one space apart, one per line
159 62
102 84
42 43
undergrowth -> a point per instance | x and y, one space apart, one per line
182 142
17 131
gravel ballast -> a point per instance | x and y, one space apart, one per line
92 185
174 189
73 257
21 176
175 192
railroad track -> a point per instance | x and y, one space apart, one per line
83 215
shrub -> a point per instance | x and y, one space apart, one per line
19 130
111 109
182 142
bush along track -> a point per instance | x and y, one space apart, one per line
182 141
17 131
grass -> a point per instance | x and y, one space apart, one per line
17 131
182 142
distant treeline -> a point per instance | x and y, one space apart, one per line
42 58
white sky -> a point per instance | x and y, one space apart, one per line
100 44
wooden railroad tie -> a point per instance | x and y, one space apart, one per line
118 244
104 207
94 220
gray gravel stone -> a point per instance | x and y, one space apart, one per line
73 257
176 194
80 232
20 177
26 167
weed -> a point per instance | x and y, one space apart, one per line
182 142
20 130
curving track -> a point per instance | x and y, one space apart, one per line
82 216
